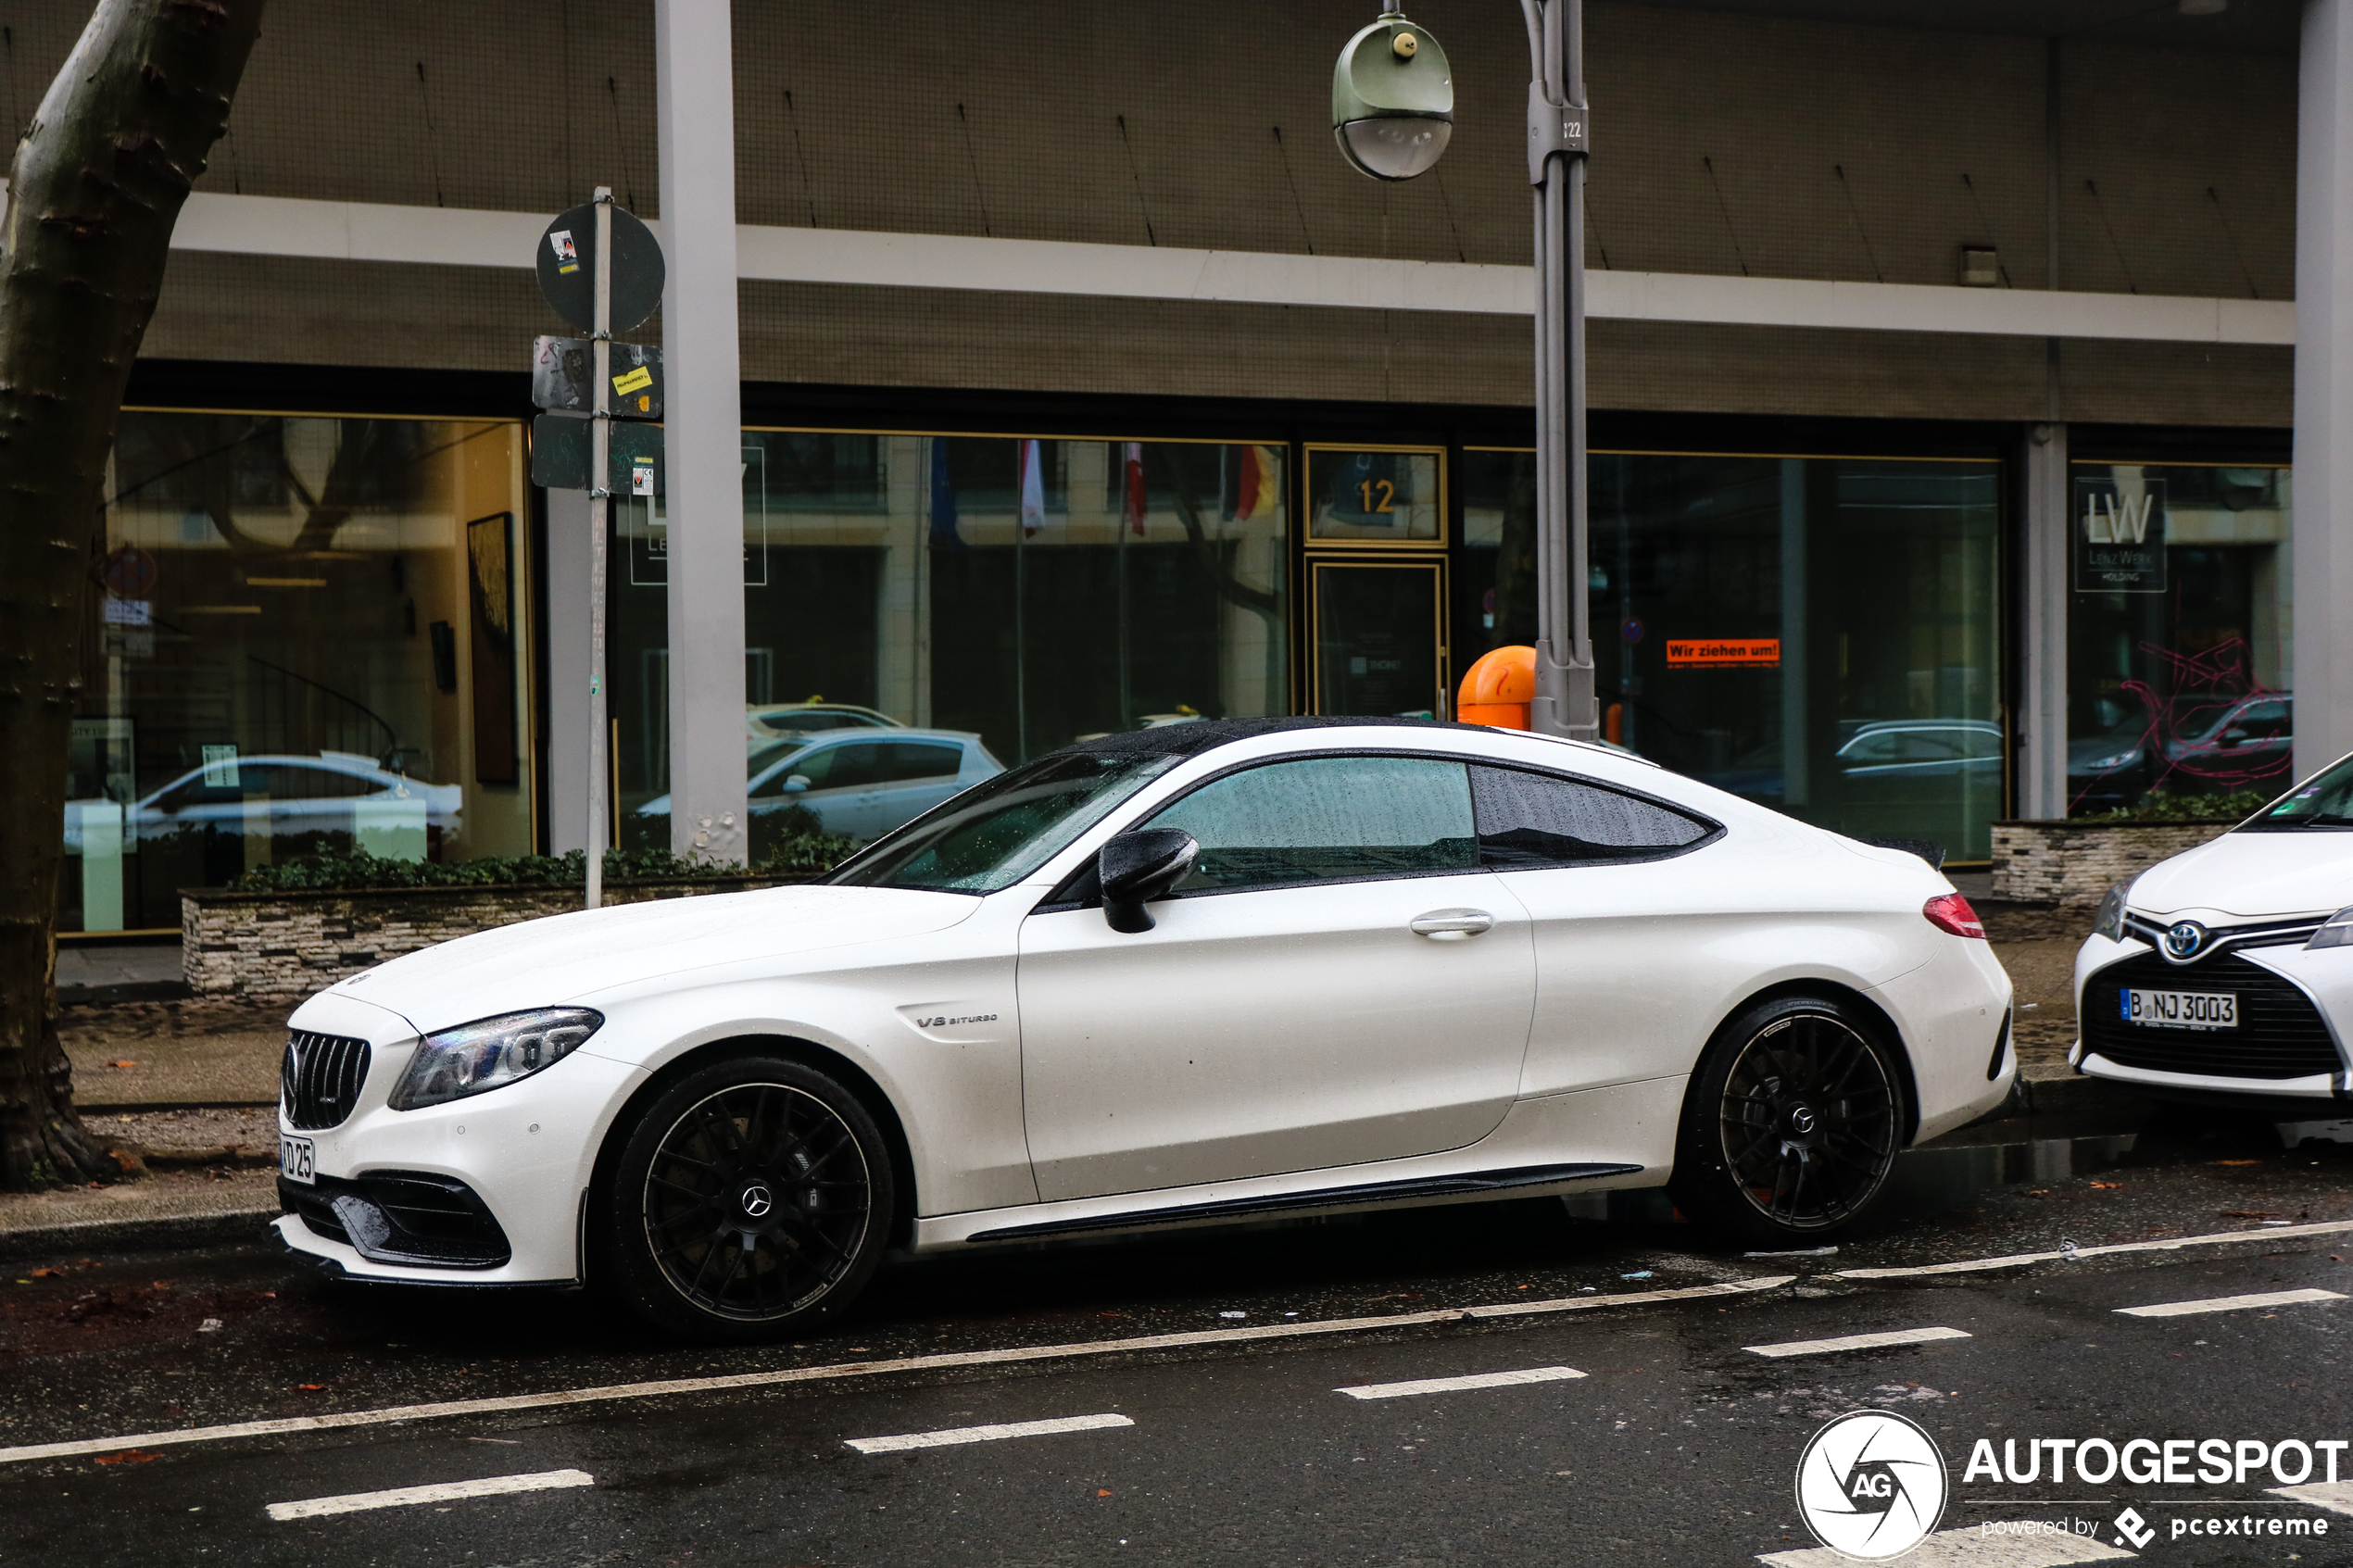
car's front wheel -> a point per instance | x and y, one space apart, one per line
750 1196
1792 1123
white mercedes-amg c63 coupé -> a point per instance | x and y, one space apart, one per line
1178 976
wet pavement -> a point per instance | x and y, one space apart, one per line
1678 1444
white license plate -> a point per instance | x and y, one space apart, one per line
2180 1009
297 1160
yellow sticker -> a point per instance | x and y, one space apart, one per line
645 402
643 376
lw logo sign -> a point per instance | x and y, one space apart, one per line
1871 1486
2119 535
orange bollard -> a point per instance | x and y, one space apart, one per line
1499 688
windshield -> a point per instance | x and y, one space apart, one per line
2325 800
992 836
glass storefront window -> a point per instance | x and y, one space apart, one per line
310 639
2180 634
1030 592
1818 634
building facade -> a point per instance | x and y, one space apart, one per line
1944 372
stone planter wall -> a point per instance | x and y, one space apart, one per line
293 944
2078 862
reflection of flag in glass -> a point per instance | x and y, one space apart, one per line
1033 491
1131 487
943 499
1256 491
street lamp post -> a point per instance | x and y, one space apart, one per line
1392 115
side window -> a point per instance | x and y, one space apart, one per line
297 781
814 766
1530 820
1326 819
910 759
859 765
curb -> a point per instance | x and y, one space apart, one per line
138 1233
124 991
2072 1091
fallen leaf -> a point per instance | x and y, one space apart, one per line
1102 1493
122 1064
48 1273
2107 1186
128 1456
312 1388
2237 1162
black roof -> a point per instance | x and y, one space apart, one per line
1189 740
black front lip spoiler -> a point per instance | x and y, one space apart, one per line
1471 1185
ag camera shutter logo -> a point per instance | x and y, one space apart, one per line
1871 1486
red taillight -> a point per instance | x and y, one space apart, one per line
1950 912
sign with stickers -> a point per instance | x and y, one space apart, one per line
561 369
567 262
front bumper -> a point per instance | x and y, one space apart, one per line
485 1190
2285 1055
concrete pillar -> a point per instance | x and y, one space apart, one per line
695 110
567 674
2040 727
2323 557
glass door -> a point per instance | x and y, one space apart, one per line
1377 582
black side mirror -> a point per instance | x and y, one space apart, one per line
1137 867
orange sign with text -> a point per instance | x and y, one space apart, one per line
1723 653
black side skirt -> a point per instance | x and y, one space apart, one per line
1474 1184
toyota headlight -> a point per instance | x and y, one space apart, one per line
2110 923
2337 932
476 1057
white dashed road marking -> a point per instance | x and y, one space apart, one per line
1458 1384
2107 1250
1856 1342
2335 1496
557 1399
956 1435
404 1497
1970 1549
2229 1303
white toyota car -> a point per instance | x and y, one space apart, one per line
1175 976
2217 975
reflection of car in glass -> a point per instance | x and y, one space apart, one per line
860 782
1543 968
765 723
2247 742
2225 975
1924 748
298 794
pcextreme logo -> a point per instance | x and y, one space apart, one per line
1871 1486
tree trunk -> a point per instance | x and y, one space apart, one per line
96 188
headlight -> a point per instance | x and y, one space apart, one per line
2110 923
2337 932
476 1057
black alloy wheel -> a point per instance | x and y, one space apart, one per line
752 1195
1793 1122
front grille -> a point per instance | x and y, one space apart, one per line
319 1079
407 1217
2292 931
2280 1034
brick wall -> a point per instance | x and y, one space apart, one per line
2078 862
293 943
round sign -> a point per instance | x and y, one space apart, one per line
568 267
130 573
1871 1485
1630 630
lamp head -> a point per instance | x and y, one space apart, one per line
1393 99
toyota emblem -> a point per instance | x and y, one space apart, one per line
2185 940
757 1202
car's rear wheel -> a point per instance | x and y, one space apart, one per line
1792 1123
750 1195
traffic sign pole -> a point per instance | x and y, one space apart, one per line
600 522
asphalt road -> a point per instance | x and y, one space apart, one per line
1637 1431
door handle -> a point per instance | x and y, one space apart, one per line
1451 926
